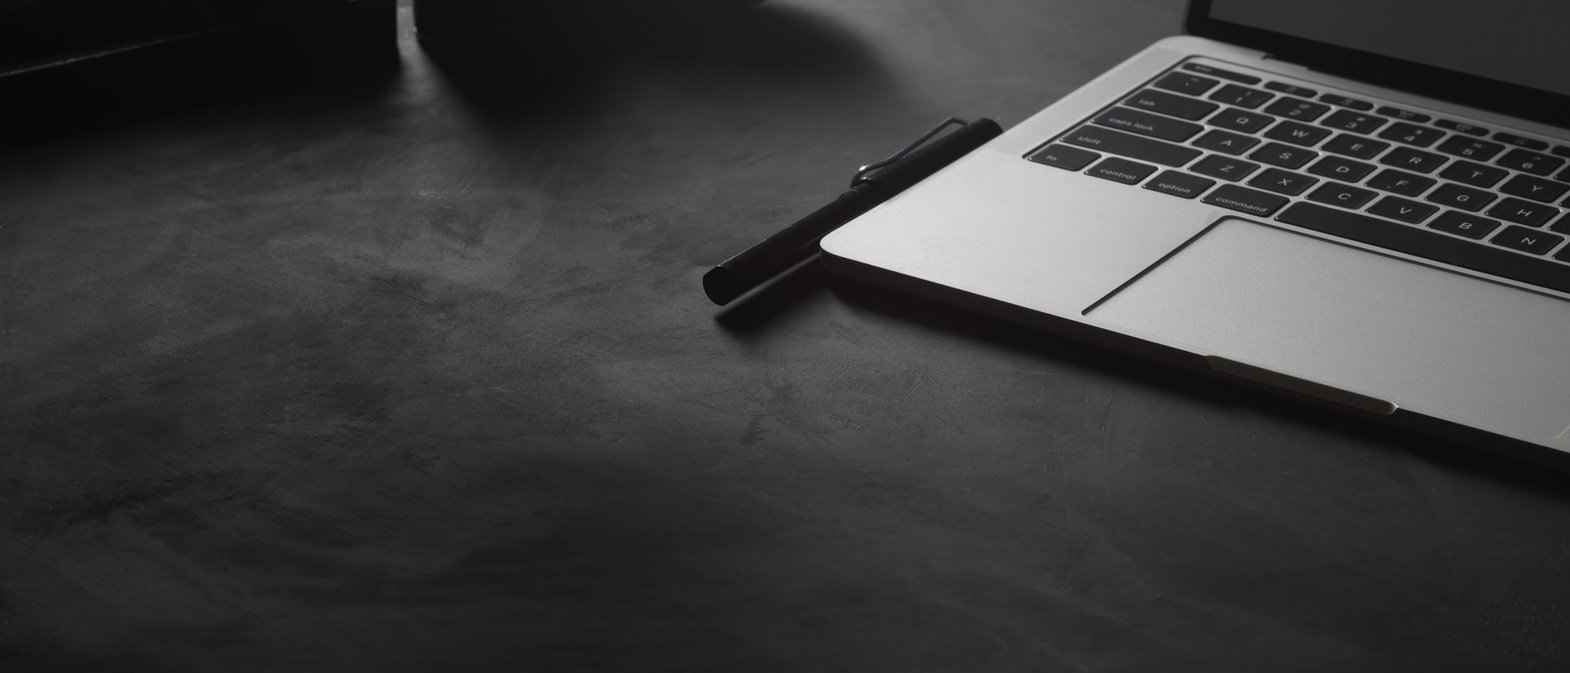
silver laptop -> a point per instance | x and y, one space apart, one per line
1359 203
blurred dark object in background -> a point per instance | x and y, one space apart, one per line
70 64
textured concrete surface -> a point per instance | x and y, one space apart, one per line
418 376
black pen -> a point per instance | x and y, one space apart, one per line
872 185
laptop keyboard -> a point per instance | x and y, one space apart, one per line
1441 189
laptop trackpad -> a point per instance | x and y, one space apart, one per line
1427 340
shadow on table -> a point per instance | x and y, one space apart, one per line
1523 471
521 59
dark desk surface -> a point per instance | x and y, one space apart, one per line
422 379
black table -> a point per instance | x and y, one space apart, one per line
416 375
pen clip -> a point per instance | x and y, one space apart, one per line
861 177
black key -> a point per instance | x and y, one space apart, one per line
1064 157
1241 96
1561 150
1193 85
1223 74
1403 115
1561 225
1345 196
1402 132
1297 134
1291 90
1354 146
1427 244
1144 149
1168 104
1241 120
1536 189
1528 161
1523 212
1480 150
1146 124
1285 156
1512 139
1527 240
1121 170
1464 198
1345 170
1225 141
1300 110
1224 168
1473 174
1564 175
1405 184
1179 184
1471 226
1343 101
1410 159
1347 120
1245 200
1462 127
1397 208
1282 182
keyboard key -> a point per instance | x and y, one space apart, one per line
1297 134
1146 124
1527 240
1282 182
1168 104
1345 196
1462 127
1241 120
1473 174
1225 142
1241 96
1416 160
1464 198
1343 101
1479 150
1245 200
1561 225
1561 150
1299 110
1528 161
1523 212
1064 157
1536 189
1405 184
1135 147
1471 226
1512 139
1354 146
1421 136
1428 244
1403 115
1223 74
1338 168
1291 89
1285 156
1397 208
1224 168
1193 85
1347 120
1179 184
1121 170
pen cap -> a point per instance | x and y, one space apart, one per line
933 156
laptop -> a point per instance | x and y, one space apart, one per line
1362 204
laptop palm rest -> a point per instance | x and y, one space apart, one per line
1356 328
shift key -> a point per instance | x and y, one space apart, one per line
1133 147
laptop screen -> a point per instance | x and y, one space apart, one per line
1521 42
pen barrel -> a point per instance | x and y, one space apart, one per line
759 263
